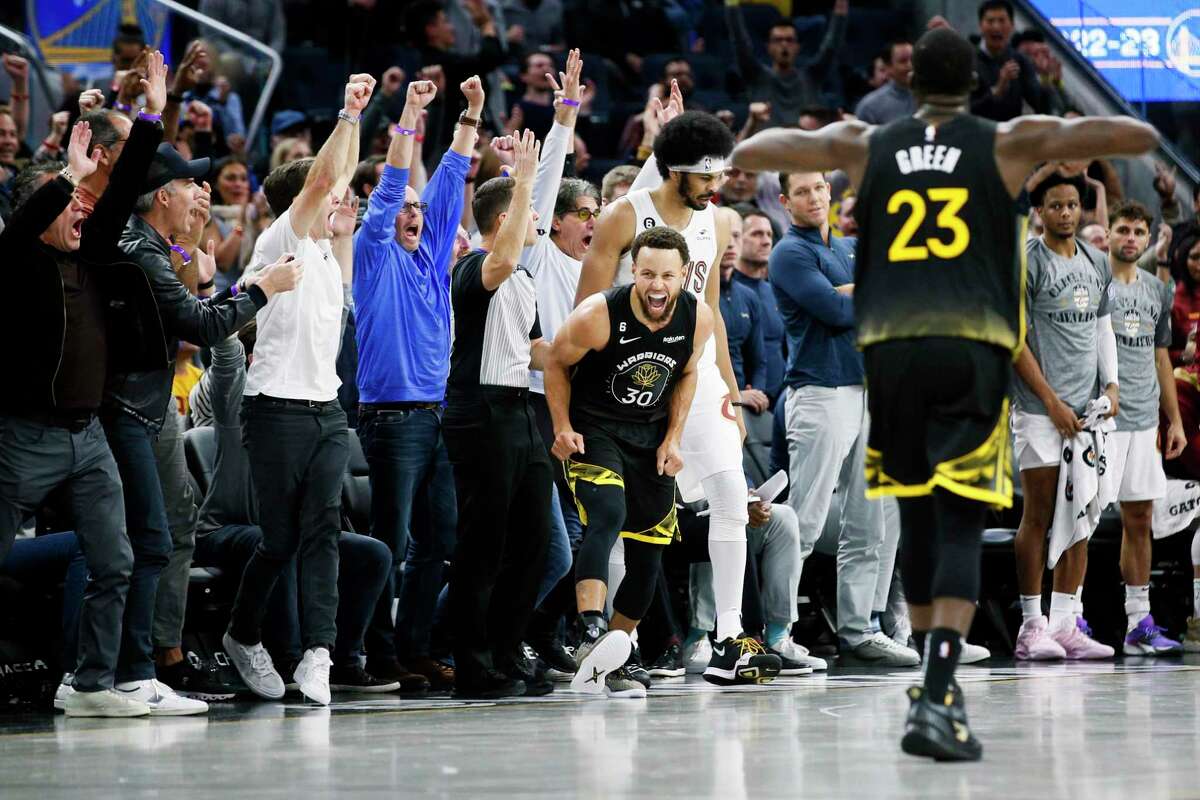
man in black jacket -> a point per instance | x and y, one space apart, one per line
74 320
136 405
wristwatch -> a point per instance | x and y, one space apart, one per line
463 119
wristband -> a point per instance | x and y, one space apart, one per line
17 96
146 116
1163 263
419 138
53 148
566 101
187 259
233 290
346 116
738 403
208 284
124 108
174 97
403 131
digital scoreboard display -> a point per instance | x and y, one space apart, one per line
1148 51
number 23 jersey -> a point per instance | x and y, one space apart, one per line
938 250
632 378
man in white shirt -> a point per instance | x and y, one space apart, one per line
295 429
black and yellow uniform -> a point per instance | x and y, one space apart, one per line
938 301
620 399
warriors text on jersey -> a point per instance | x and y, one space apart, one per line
632 377
938 237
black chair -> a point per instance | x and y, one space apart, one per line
356 490
200 449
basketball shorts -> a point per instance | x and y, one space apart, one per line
711 442
939 419
1134 465
626 455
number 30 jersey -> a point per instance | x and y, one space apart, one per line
632 378
938 244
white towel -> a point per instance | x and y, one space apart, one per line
1177 509
1084 487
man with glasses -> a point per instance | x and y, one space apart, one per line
787 85
402 257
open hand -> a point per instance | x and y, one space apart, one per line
571 88
206 262
192 68
202 205
526 151
82 164
1164 181
154 85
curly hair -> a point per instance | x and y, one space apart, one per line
690 137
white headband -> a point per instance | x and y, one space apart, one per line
709 165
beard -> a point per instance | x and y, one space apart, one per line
689 200
650 313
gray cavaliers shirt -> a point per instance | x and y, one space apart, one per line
1063 299
1141 320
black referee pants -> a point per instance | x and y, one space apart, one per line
502 476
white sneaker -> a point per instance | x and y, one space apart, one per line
64 690
973 654
255 667
104 703
697 656
312 675
162 699
881 650
789 650
595 660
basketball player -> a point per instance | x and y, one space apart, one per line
618 420
690 154
939 303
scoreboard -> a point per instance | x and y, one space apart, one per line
1148 51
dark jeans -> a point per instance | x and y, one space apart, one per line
48 560
413 512
502 476
297 459
363 568
170 605
36 459
132 446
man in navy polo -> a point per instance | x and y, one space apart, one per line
402 258
812 273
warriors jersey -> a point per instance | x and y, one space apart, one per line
938 251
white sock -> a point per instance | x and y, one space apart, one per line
1137 604
1031 607
616 574
1079 601
1196 597
1062 608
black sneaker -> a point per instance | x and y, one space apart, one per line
390 670
488 685
524 670
939 730
635 670
200 682
353 678
669 664
560 662
741 661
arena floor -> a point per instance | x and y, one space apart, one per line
1114 730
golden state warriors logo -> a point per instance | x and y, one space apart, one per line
641 380
1133 322
1082 298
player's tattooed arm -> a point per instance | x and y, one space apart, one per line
586 328
611 236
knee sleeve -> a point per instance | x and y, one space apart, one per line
917 551
605 509
959 546
727 497
642 561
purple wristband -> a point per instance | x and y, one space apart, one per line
148 117
187 259
569 102
403 131
233 290
123 107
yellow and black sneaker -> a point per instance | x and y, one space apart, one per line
939 730
741 661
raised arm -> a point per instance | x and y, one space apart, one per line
379 223
1026 141
186 75
586 328
18 70
32 218
609 239
559 141
330 162
842 145
835 37
510 238
670 462
465 135
747 62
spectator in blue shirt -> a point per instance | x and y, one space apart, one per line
812 273
756 241
742 313
402 257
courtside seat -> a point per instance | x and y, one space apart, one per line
200 449
356 489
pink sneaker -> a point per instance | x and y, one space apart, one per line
1077 644
1035 644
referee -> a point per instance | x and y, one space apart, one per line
501 470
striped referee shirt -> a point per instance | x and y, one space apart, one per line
493 330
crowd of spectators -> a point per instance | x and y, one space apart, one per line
321 285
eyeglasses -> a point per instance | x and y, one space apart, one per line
585 214
422 207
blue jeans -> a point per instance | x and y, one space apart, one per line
413 511
558 556
363 568
45 560
132 445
